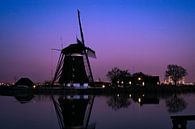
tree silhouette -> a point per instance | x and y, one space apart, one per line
176 104
175 72
117 76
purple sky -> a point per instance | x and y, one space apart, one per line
137 35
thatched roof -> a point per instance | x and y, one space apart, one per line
78 48
24 82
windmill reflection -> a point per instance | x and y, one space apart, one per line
74 111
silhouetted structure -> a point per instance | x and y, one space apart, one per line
24 82
73 66
144 80
102 84
122 78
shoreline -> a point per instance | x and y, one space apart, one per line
161 89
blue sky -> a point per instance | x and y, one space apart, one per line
137 35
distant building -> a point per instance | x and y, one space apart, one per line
139 79
24 82
144 80
169 81
102 84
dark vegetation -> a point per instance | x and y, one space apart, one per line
118 76
175 73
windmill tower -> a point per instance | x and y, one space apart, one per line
73 66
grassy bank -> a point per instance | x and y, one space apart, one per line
12 90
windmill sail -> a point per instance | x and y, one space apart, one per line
85 53
89 51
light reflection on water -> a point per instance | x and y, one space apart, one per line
108 112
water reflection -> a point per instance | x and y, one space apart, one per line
119 101
24 98
176 104
180 122
143 99
74 111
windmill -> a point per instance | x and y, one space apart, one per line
73 65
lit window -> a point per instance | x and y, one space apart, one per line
139 78
129 82
143 84
122 82
103 86
139 100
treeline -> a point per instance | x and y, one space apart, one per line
174 73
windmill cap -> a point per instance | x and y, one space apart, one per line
78 48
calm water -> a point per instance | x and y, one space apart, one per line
107 112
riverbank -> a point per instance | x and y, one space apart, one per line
162 89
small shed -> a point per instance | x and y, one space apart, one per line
24 82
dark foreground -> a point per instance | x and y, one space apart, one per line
97 90
114 111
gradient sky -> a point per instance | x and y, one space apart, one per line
138 35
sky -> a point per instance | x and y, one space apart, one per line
137 35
